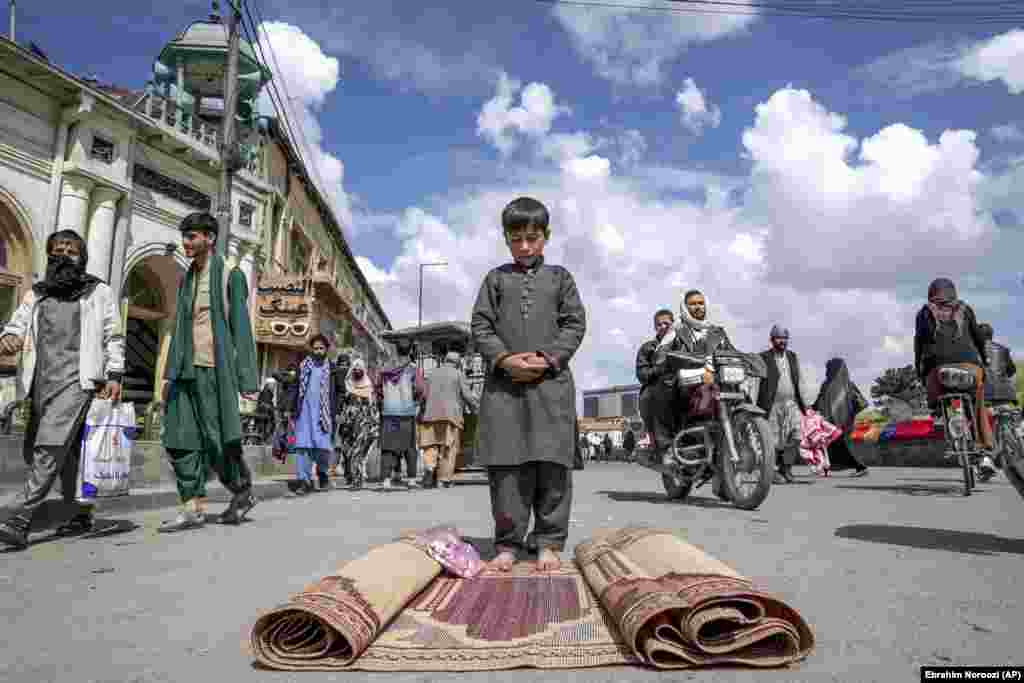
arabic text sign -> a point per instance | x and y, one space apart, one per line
283 311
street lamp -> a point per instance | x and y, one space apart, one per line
419 356
422 266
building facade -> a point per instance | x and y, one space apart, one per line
616 401
122 168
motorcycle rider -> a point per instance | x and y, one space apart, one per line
699 336
658 384
999 385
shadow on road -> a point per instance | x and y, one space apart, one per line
969 542
953 489
662 499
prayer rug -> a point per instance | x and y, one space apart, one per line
633 596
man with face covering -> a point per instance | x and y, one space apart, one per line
69 332
780 396
211 360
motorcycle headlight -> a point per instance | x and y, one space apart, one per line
733 374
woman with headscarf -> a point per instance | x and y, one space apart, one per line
360 423
839 401
947 333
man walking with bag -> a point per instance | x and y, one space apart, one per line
72 346
212 358
440 429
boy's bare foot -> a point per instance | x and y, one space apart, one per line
548 560
503 562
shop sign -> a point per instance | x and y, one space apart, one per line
284 311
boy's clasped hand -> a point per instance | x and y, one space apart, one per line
525 368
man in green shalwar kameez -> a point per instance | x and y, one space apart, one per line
212 358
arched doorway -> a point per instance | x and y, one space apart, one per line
149 292
15 259
15 266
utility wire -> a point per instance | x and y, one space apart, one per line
832 11
283 104
272 91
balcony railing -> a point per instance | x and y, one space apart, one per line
170 115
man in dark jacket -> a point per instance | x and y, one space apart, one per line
780 396
947 333
657 393
1000 370
629 444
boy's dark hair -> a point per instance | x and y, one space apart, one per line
319 338
986 331
692 292
524 213
664 311
201 221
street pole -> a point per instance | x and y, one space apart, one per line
419 356
12 21
228 152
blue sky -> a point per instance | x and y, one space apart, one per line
799 171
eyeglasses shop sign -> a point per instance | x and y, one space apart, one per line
283 311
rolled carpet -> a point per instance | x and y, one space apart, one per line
633 596
332 621
678 607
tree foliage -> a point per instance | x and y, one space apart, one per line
902 384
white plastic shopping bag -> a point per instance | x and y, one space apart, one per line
106 459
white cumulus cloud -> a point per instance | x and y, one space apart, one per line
635 46
500 120
998 58
304 76
695 110
902 196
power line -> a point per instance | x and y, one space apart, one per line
933 14
307 148
283 104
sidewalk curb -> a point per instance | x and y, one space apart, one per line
142 500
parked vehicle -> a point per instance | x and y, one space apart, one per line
733 442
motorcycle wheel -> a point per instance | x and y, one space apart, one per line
1013 458
753 438
676 489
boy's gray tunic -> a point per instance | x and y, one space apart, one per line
520 311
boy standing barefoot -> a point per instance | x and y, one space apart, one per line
528 322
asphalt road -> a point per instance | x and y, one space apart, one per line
892 571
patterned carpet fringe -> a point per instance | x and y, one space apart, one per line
634 596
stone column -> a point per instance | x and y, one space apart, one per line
101 230
74 203
166 330
234 251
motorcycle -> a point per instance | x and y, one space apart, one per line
956 403
1008 452
733 442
